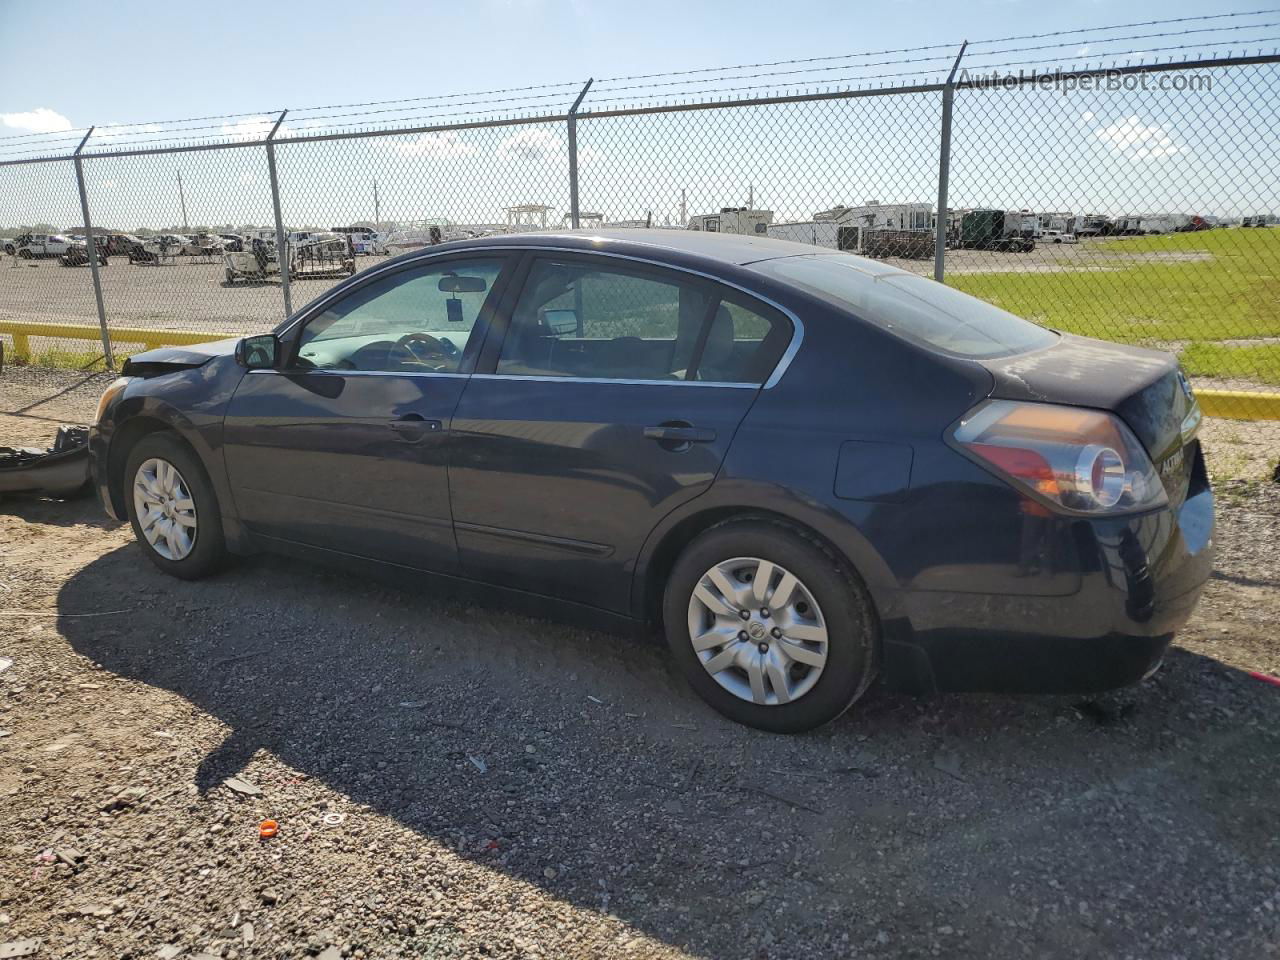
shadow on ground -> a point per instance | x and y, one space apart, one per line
1009 825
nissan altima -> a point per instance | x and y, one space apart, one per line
805 468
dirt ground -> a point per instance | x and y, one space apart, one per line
455 781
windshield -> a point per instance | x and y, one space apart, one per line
913 307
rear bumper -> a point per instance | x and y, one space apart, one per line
1138 581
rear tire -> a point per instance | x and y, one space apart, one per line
183 501
836 605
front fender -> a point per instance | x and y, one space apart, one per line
192 403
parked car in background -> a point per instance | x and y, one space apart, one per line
231 242
202 245
365 241
254 260
807 468
77 254
1058 236
39 246
119 244
155 249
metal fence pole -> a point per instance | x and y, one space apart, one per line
573 155
282 246
944 171
91 251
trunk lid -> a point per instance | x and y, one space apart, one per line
1145 388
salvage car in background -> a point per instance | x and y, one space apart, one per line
809 468
39 246
257 261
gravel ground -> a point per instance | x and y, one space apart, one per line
455 781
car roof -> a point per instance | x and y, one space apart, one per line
725 248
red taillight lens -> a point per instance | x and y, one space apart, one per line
1082 460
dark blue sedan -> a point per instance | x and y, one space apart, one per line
807 468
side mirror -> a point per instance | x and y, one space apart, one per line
258 353
561 322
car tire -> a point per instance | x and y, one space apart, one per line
206 552
840 604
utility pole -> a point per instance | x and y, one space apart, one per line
684 218
377 215
751 196
182 199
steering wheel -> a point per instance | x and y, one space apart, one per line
423 346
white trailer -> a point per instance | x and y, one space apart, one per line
733 220
819 233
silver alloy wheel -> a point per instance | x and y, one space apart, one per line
166 512
758 631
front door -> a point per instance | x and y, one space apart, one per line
610 401
343 448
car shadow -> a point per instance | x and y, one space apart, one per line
580 762
77 511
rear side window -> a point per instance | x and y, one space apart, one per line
575 319
914 307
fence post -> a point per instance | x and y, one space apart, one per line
573 155
944 170
282 245
91 251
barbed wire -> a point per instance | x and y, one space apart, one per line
836 81
948 58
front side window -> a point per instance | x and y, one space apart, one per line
913 307
415 321
579 320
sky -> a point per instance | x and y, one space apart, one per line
135 64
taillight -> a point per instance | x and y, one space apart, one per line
1085 461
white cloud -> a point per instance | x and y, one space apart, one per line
114 131
1087 116
39 120
249 128
446 146
1083 51
532 144
1133 138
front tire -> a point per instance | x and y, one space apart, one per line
173 508
808 644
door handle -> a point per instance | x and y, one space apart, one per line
413 426
678 435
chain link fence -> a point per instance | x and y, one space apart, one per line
1136 204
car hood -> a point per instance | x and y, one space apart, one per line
178 358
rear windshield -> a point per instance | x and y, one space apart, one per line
913 307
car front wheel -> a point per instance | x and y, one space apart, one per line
173 508
769 627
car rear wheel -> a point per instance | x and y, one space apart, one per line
769 627
173 508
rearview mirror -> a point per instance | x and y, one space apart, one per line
452 283
258 353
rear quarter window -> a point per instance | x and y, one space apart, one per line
915 308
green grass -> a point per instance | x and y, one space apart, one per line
1260 363
1232 293
61 360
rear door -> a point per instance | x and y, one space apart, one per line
345 447
610 398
